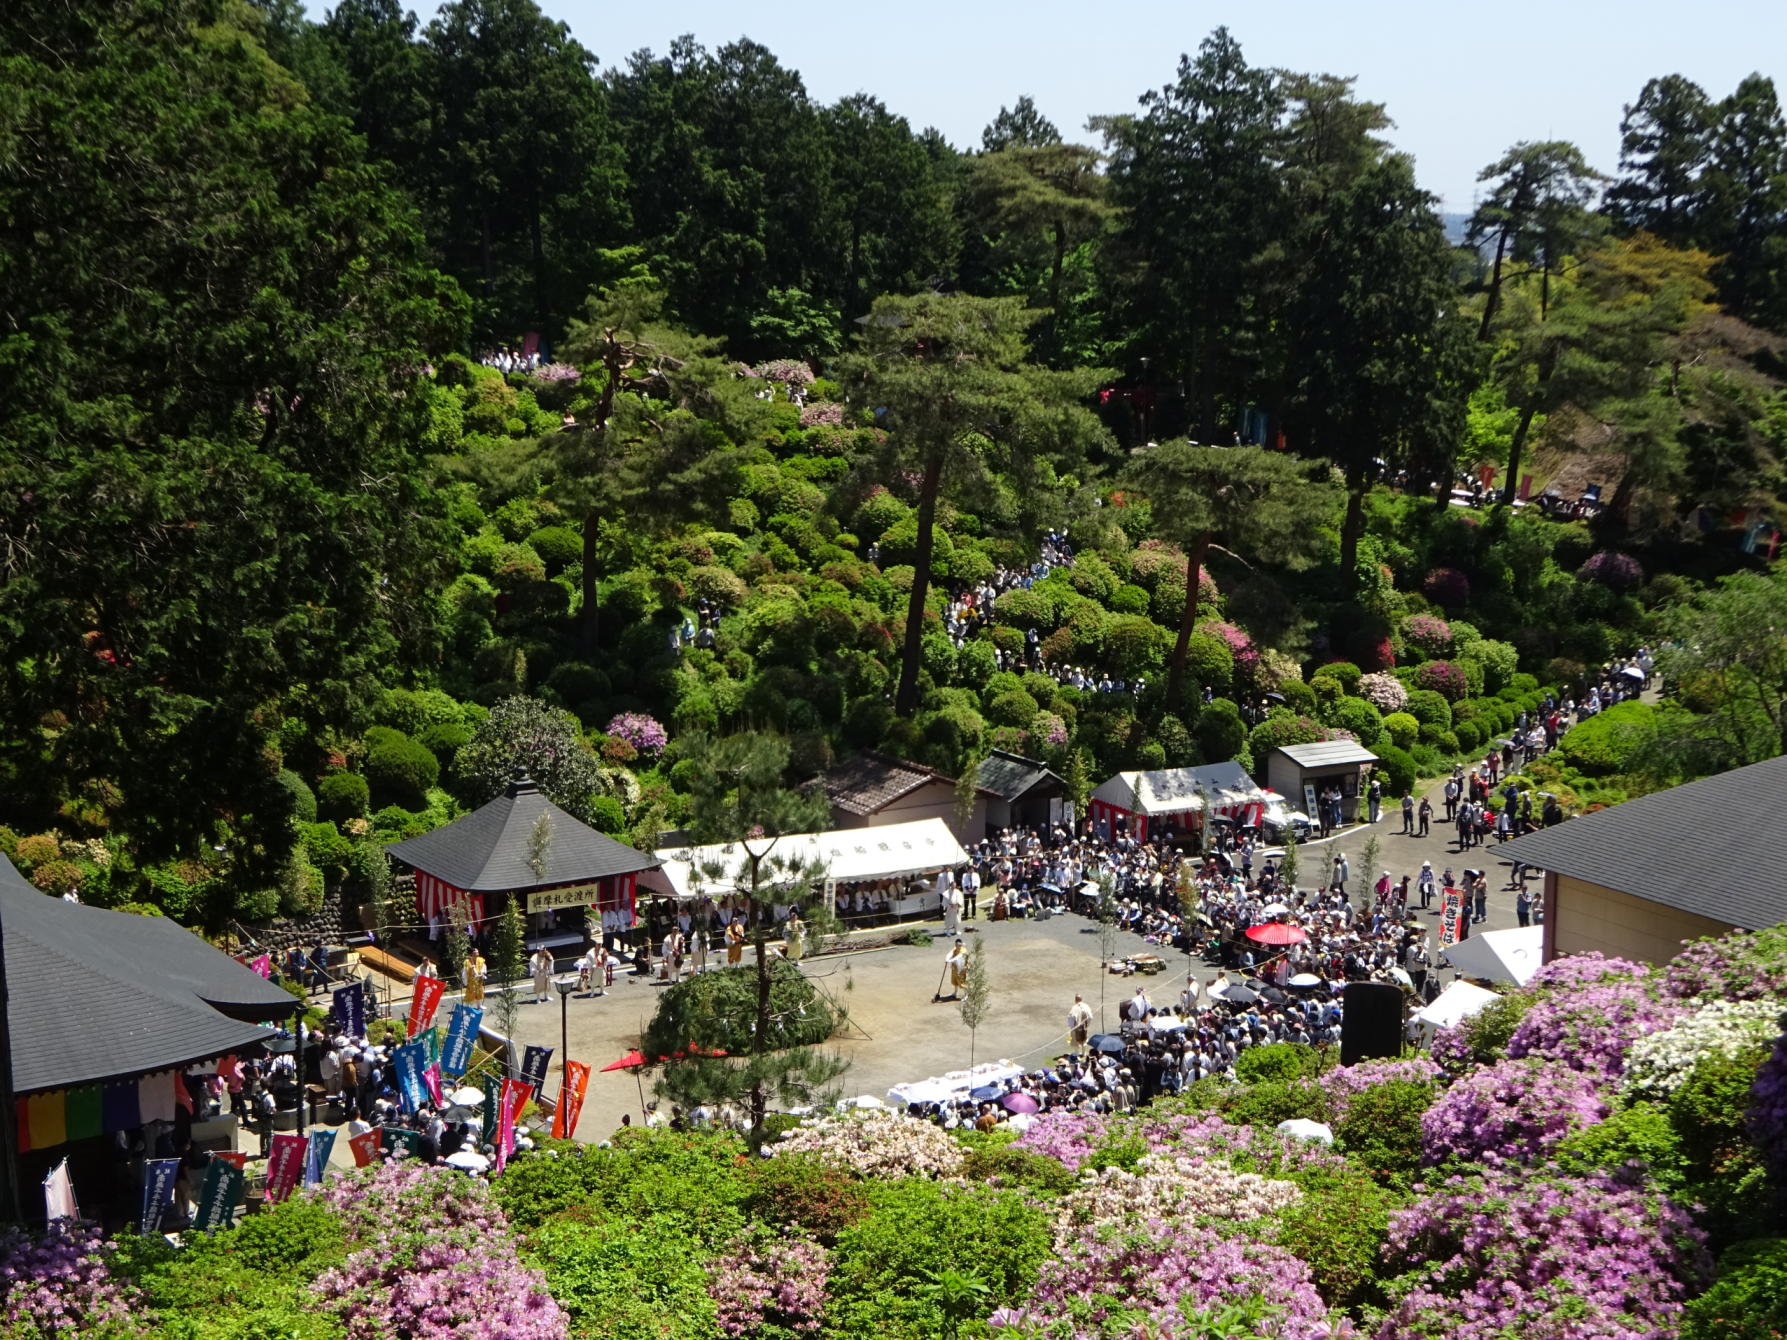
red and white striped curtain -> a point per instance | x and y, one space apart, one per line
434 896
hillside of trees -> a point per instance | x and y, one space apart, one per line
302 550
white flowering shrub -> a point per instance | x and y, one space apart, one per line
876 1143
1659 1063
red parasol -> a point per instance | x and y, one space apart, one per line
1277 933
633 1060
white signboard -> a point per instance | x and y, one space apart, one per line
548 900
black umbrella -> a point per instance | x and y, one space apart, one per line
1108 1043
1274 995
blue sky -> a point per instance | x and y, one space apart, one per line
1461 82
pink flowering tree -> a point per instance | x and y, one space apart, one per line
1443 678
1427 634
431 1257
644 733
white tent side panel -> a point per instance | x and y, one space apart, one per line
890 851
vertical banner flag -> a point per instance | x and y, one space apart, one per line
409 1060
366 1145
424 1003
462 1032
515 1094
236 1158
58 1194
158 1190
1451 916
533 1068
316 1156
391 1137
432 1040
218 1195
263 965
285 1165
570 1100
431 1076
492 1083
348 1004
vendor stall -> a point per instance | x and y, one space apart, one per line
1151 804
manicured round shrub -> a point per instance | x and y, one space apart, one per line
1359 717
398 769
1448 588
1128 599
1443 678
1346 672
1134 645
1427 634
1219 730
558 547
1211 662
1398 768
1384 692
343 795
1026 609
303 798
1247 656
1402 729
1430 709
1611 740
1015 707
1615 571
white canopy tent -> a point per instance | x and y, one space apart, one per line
1168 794
888 851
1499 956
1454 1005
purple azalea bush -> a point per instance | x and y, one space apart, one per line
1766 1120
1590 1027
1247 655
1544 1258
1515 1112
822 414
1448 588
773 1284
61 1283
1579 970
1427 634
1744 965
1070 1137
642 732
1165 1280
1344 1083
1615 571
1443 678
431 1257
556 373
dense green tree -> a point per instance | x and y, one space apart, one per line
1197 175
1665 141
1236 499
1537 211
741 797
1383 368
1330 135
384 84
1728 663
949 375
1746 202
216 321
1019 126
521 179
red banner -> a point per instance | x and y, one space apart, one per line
516 1092
424 1003
1451 916
570 1100
285 1165
365 1146
238 1161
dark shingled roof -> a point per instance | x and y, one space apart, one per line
1709 846
487 850
96 995
870 782
1012 775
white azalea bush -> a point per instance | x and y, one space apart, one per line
1164 1189
876 1143
1659 1063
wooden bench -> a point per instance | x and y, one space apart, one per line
391 965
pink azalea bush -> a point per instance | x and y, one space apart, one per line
1165 1279
1510 1254
1590 1028
822 414
1071 1137
1384 692
644 733
430 1257
770 1287
1443 678
1344 1083
1578 970
1744 965
1247 655
1615 571
1427 634
788 371
1515 1112
556 373
61 1283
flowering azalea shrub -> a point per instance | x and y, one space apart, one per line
1448 588
1427 634
788 371
1384 692
1247 655
1344 1083
1505 1254
771 1288
1590 1028
642 732
1168 1280
876 1143
1068 1136
430 1256
1744 965
1576 970
1660 1063
1443 678
1615 571
1515 1112
1165 1188
822 414
1766 1120
61 1283
556 373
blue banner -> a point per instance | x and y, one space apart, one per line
410 1060
462 1032
348 1005
158 1190
533 1067
316 1157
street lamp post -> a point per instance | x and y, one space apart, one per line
565 985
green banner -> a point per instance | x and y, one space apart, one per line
218 1195
433 1038
391 1137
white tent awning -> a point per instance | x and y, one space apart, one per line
1499 956
1455 1004
1175 790
887 851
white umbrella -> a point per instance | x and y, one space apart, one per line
1632 672
470 1096
1274 910
865 1100
468 1159
1305 979
1402 979
1300 1128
